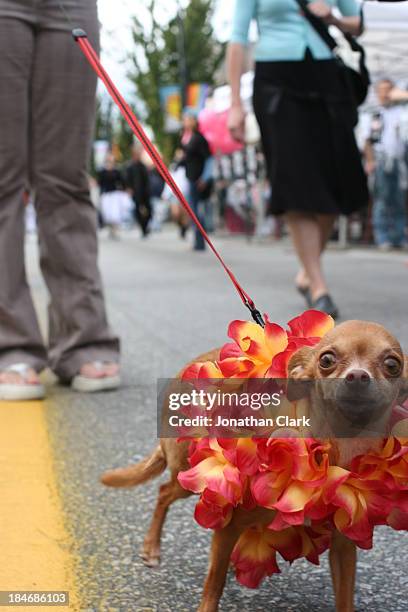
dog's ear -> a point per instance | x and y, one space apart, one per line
300 373
403 394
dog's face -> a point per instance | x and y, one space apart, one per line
358 371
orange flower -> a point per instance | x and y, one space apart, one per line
205 369
292 478
213 511
212 471
305 330
254 557
258 346
312 324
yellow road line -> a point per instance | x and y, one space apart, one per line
35 550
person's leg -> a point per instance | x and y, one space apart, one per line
63 105
197 206
326 224
397 210
380 208
307 239
20 338
144 213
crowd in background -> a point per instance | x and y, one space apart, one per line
231 191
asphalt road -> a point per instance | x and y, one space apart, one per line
169 304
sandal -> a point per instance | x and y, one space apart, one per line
24 391
87 384
325 304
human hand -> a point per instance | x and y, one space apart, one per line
236 122
398 95
322 10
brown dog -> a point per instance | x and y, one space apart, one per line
354 355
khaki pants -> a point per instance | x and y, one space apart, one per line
47 104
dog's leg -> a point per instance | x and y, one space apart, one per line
222 545
343 570
168 493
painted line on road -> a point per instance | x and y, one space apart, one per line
36 553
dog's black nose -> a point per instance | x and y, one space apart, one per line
358 376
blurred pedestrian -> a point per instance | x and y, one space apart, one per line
313 162
47 108
137 183
385 154
111 186
159 209
178 213
198 165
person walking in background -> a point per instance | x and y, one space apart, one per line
111 186
156 187
47 110
385 154
198 165
138 185
312 158
178 213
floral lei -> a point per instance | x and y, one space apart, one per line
292 476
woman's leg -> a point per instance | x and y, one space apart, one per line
326 224
309 239
63 103
197 206
396 208
20 338
380 207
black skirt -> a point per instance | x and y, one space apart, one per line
313 162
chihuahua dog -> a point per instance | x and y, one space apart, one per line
368 374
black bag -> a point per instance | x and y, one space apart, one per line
356 82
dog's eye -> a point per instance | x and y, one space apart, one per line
327 360
392 366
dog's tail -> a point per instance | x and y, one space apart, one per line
133 475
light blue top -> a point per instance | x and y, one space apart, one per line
283 33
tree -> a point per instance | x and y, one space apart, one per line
156 59
112 127
123 139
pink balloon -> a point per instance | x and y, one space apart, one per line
214 127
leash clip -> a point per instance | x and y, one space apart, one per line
255 314
78 33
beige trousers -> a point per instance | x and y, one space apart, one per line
47 104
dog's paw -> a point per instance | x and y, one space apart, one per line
150 555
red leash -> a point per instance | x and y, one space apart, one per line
81 39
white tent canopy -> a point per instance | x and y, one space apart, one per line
386 39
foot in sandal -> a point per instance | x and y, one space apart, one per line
19 382
97 376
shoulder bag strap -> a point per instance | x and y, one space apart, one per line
322 29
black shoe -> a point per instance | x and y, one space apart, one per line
325 304
305 293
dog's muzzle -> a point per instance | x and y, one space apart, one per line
360 399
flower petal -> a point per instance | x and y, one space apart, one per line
311 324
